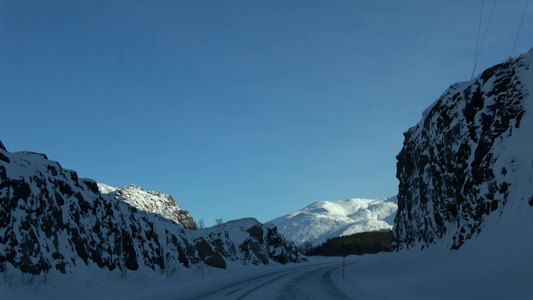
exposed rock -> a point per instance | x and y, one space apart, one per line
150 201
451 171
52 221
260 243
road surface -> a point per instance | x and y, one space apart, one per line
305 282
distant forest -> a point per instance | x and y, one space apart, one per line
358 243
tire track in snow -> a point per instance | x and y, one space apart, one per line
314 284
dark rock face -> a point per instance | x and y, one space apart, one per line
448 180
263 243
50 220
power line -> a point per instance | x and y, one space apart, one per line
478 51
478 34
519 27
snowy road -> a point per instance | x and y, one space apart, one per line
312 284
305 281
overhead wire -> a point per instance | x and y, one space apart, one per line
478 34
519 27
478 50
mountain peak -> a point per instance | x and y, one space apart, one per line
322 220
150 201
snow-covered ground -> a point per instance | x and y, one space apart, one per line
497 264
328 219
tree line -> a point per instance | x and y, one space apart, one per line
358 243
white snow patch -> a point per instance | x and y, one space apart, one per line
327 219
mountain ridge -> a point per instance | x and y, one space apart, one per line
322 220
150 201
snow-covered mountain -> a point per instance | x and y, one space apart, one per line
327 219
150 201
469 158
53 222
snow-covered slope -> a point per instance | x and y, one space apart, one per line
327 219
150 201
496 264
468 158
53 222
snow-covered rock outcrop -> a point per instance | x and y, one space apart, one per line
52 221
150 201
249 241
328 219
470 155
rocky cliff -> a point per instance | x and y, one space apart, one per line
150 201
461 163
53 221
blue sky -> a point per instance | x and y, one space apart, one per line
238 108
